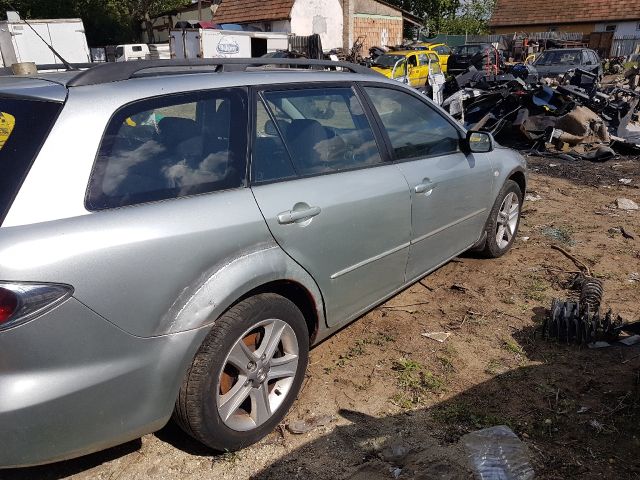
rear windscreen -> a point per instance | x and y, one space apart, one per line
24 125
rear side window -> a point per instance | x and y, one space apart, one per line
325 129
415 130
24 125
170 147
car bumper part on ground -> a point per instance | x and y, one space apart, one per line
72 383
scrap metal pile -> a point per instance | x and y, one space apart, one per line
573 116
580 320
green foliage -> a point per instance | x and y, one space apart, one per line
454 17
106 22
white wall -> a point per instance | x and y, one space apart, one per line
323 17
622 28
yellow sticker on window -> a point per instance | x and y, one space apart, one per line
7 122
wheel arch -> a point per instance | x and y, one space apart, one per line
265 269
520 178
298 295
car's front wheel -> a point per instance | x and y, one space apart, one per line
246 374
504 220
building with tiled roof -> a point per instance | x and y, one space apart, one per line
338 22
622 17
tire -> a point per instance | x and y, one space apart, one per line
493 248
236 391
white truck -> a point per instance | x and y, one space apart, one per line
212 43
142 51
19 43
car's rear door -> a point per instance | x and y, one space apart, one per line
330 199
450 190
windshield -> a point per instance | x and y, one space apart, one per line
388 60
24 125
559 57
468 49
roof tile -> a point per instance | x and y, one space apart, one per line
541 12
243 11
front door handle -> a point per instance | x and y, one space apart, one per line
425 188
293 216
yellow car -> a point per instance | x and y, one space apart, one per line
440 49
418 62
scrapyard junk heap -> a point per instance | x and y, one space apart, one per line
573 116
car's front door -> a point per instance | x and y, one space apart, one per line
450 190
329 198
417 72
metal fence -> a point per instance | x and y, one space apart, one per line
625 45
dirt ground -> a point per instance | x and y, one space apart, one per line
397 403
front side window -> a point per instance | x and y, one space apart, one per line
325 130
171 147
414 129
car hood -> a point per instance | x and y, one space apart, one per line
386 71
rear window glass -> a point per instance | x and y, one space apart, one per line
559 57
171 147
24 125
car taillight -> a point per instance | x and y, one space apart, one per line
20 302
8 304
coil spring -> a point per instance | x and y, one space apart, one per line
591 294
567 322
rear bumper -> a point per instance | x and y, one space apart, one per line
72 383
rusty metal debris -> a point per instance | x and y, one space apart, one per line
573 117
581 321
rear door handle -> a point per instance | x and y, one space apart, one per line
425 188
293 216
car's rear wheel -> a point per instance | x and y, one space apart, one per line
246 374
504 220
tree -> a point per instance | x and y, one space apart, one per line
433 12
106 22
451 16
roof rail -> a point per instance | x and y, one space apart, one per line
114 72
52 66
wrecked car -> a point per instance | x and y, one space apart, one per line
558 61
420 69
482 56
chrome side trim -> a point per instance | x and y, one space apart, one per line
369 260
449 225
327 332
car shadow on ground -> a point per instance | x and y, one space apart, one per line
67 468
577 409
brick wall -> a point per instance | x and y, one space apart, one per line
375 29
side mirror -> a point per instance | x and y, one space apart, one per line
478 142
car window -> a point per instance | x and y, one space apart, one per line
24 126
559 57
423 59
414 129
171 147
586 58
325 129
270 160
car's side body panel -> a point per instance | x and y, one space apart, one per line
150 280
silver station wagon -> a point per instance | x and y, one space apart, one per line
175 236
